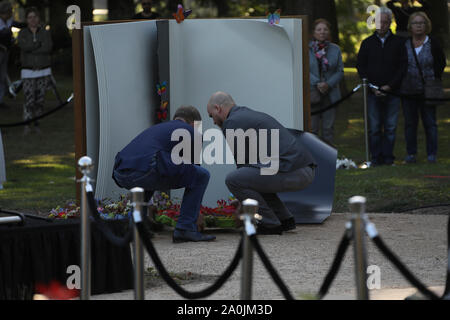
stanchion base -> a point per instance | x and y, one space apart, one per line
365 165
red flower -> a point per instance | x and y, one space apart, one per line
56 291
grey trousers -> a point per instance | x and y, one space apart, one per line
327 118
247 183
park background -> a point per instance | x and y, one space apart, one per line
41 168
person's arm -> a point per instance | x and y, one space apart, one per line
440 61
425 5
46 44
25 45
362 61
402 67
334 80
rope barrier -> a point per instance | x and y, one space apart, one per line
27 122
413 96
144 234
337 262
273 273
335 104
104 229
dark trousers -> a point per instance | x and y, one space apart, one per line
383 117
411 111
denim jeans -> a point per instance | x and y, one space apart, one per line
152 181
383 115
411 111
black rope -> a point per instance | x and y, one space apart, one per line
426 207
31 216
335 104
340 254
273 273
144 234
403 269
412 96
104 229
27 122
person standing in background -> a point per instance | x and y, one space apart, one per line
426 62
6 39
36 47
382 61
146 12
403 12
326 72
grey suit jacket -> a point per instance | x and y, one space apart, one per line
334 74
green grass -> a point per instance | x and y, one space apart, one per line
41 168
390 189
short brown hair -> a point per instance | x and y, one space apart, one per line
188 113
319 21
32 10
423 15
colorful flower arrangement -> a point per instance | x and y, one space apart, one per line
167 212
221 217
108 209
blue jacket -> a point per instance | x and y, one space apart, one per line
156 140
334 74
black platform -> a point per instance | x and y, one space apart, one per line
40 252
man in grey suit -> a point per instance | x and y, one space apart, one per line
253 180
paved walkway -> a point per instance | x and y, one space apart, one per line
304 256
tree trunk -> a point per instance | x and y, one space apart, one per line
120 9
325 9
439 17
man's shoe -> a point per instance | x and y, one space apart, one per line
288 224
265 230
410 158
186 236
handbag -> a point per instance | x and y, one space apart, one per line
432 88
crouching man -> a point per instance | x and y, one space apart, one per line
260 176
146 162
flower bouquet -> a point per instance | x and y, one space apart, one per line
223 216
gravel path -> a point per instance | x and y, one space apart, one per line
303 258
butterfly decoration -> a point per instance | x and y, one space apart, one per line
274 18
162 115
181 14
162 87
164 105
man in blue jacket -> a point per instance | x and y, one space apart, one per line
146 162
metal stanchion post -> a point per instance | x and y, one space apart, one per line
357 206
366 120
138 249
250 209
85 166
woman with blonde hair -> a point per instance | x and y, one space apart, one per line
326 72
426 63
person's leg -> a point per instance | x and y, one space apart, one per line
428 114
390 119
248 183
192 200
374 117
410 113
315 122
328 119
41 88
29 95
3 73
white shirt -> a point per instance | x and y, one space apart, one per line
418 49
32 74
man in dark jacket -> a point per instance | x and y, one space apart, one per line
146 12
6 23
290 167
146 162
382 60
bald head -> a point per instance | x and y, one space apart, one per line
219 107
